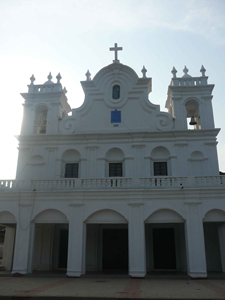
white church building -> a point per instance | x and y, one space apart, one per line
116 185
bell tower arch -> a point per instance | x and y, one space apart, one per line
189 101
45 104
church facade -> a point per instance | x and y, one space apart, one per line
116 185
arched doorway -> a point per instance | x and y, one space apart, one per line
214 234
107 242
51 241
8 229
165 241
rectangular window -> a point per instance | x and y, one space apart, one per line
160 169
115 170
71 170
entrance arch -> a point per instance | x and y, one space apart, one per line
51 240
214 234
106 216
107 242
8 220
165 241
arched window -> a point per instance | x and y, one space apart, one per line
115 158
116 92
160 161
70 163
193 117
40 121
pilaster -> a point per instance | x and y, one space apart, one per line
137 252
28 119
182 158
195 245
76 249
23 251
213 158
51 162
91 161
139 160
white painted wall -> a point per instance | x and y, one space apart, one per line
144 135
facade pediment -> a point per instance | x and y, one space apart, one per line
132 105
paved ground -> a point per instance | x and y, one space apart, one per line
109 287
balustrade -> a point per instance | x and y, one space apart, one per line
10 184
164 182
62 184
111 182
204 181
160 182
192 81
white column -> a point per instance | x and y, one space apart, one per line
101 168
213 169
51 163
23 252
21 172
91 161
179 113
195 245
147 167
83 168
208 113
222 245
182 162
139 160
173 166
137 255
128 167
28 119
58 169
75 247
8 248
53 117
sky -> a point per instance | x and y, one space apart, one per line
72 36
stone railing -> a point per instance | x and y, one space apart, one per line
189 81
166 182
11 184
160 182
48 88
49 185
204 181
105 183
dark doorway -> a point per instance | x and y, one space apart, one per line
63 248
115 249
164 250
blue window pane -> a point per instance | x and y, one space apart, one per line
116 116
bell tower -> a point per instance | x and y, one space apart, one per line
189 101
45 104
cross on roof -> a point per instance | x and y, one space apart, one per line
116 49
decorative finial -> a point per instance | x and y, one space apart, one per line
88 75
144 71
185 70
116 49
174 72
32 79
49 76
203 71
58 77
65 90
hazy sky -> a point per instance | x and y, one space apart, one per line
72 36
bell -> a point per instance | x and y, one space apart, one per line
193 122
